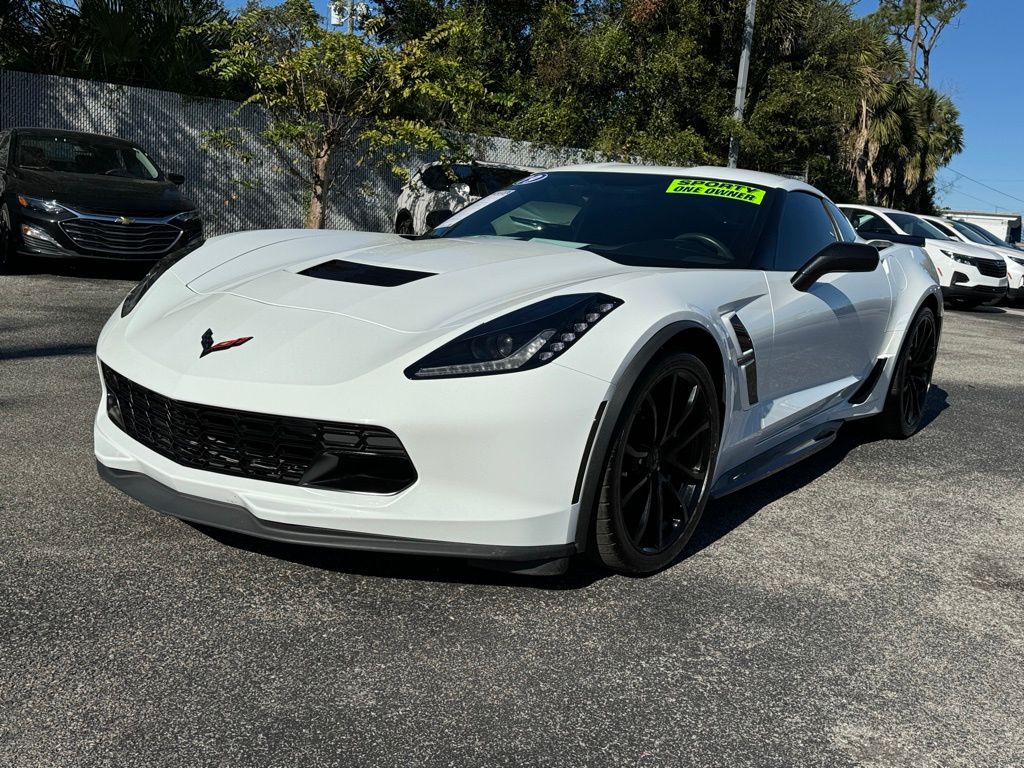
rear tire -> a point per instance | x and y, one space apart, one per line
657 475
908 391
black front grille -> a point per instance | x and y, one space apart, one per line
135 239
279 449
991 267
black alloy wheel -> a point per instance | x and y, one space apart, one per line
658 474
905 404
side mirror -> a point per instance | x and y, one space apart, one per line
176 178
459 189
836 257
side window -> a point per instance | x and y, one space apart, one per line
846 230
5 148
869 223
804 230
434 178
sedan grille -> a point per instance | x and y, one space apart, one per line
279 449
135 239
991 267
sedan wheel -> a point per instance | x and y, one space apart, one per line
659 470
6 246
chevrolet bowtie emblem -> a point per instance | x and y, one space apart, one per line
209 346
124 220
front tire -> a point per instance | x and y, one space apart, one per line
7 259
403 226
903 413
657 476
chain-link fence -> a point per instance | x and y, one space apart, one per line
232 194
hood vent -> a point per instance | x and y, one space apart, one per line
364 274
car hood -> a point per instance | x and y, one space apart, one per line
458 281
93 193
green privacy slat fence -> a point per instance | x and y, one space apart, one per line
231 194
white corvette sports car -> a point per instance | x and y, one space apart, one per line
575 363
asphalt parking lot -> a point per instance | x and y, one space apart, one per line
864 608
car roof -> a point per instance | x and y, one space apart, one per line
60 133
877 209
719 173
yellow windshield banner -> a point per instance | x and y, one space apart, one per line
727 189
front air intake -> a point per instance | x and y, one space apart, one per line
259 446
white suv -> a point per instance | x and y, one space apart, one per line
966 232
969 274
434 193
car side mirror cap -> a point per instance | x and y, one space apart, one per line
836 257
176 178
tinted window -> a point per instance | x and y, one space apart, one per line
868 223
641 219
918 227
434 178
977 234
487 180
945 229
805 228
846 230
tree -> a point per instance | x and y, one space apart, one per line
918 24
333 100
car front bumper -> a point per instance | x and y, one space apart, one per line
976 293
498 461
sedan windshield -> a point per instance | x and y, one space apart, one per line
640 219
73 154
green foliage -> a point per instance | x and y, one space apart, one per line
334 101
135 42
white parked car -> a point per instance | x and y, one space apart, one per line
575 364
968 232
969 275
434 193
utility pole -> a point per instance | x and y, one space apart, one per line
741 79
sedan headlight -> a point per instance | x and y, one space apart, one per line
187 216
1018 259
959 258
135 295
523 339
42 206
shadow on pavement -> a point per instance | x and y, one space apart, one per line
720 518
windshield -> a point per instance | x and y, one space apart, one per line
641 219
978 234
918 227
71 154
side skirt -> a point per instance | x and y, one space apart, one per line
777 458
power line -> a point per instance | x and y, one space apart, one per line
986 186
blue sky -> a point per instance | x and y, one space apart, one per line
976 62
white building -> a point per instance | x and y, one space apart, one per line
1005 226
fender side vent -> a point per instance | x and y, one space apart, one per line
747 360
364 274
868 385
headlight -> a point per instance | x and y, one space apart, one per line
959 258
135 295
523 339
187 216
1018 259
43 206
